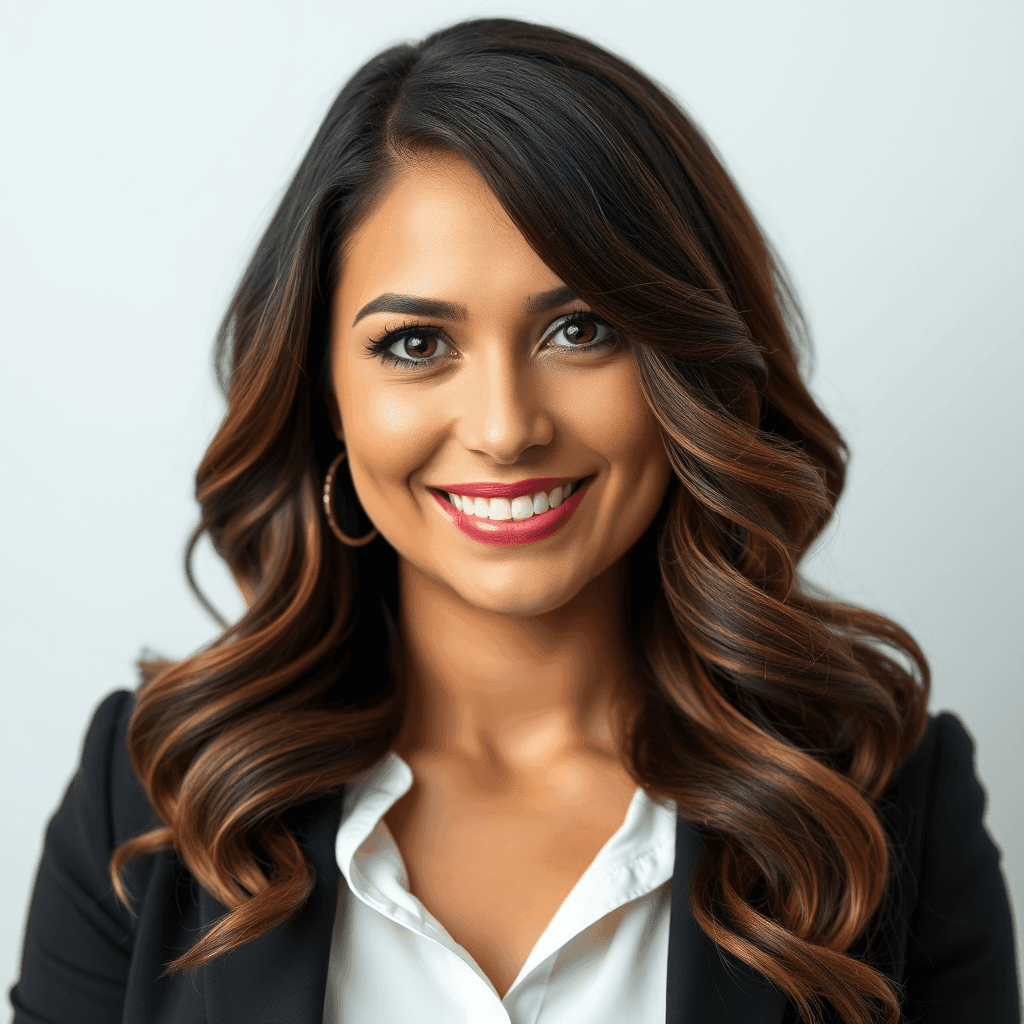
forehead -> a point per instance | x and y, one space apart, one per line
431 191
439 230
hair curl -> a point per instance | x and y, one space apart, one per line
773 716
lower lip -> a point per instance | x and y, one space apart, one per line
501 533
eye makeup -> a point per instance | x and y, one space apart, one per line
578 323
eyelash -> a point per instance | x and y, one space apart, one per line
380 346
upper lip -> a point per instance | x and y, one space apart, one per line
513 490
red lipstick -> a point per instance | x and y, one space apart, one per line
504 532
540 483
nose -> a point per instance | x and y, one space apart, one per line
505 410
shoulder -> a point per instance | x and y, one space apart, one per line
936 792
79 937
106 781
945 744
935 789
949 929
943 757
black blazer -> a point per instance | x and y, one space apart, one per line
947 932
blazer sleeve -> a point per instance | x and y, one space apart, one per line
78 940
961 962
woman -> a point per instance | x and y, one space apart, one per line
530 716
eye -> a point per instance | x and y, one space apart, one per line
410 346
582 331
416 346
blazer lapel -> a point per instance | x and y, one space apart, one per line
707 985
282 975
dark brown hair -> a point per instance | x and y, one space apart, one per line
773 716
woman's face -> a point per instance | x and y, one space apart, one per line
501 394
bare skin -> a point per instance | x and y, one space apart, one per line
516 787
515 656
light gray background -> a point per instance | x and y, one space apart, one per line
145 145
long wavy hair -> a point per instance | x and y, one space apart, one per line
772 715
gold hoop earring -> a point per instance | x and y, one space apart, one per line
352 542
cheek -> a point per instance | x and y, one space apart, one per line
388 433
614 417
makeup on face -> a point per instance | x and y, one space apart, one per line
496 428
504 514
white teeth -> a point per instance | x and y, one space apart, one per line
501 508
522 507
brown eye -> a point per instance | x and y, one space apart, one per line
415 347
582 330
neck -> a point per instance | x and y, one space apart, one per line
517 693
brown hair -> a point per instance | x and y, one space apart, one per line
773 716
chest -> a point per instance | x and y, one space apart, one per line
494 867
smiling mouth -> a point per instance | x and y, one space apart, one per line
526 506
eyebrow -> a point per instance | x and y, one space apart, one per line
418 305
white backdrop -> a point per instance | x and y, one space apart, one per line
145 145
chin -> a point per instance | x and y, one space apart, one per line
510 597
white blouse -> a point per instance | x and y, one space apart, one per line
602 958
